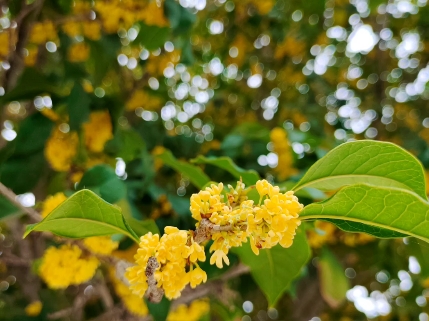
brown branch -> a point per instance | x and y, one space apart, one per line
154 294
203 290
24 22
11 196
79 302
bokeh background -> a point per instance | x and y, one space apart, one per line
96 94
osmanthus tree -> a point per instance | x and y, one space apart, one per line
379 189
208 155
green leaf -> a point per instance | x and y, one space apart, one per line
250 177
181 19
195 174
78 106
152 37
84 214
103 180
374 210
370 162
159 311
7 209
126 144
138 226
333 282
275 268
30 84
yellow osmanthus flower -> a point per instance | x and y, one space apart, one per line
65 266
323 233
353 239
194 312
131 301
153 15
34 309
51 202
157 64
72 28
281 147
157 162
31 57
60 149
174 251
91 30
78 52
101 244
290 47
142 99
43 32
98 130
4 44
273 221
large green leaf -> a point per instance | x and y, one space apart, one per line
333 282
250 177
274 269
84 214
370 162
374 210
195 174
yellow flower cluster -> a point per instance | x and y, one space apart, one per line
194 312
281 147
173 251
90 29
98 130
60 149
115 14
65 266
132 302
43 32
273 221
4 44
142 99
51 202
34 309
100 244
78 52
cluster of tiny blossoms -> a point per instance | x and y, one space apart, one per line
270 222
228 218
174 251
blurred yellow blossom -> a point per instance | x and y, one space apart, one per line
100 244
34 309
60 149
281 147
194 312
4 44
65 266
98 130
78 52
43 32
91 30
142 99
51 202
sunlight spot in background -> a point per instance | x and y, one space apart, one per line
413 265
362 40
373 305
254 81
26 199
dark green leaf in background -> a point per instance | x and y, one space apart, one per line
78 106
